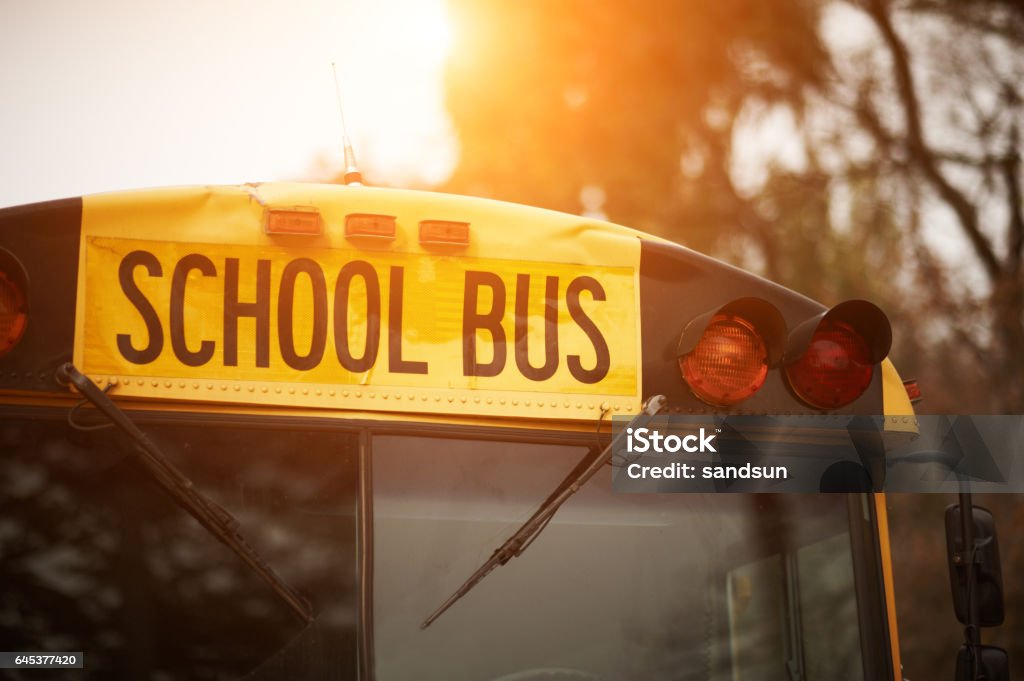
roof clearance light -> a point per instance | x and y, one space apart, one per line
913 390
729 363
296 220
13 314
444 232
369 225
836 368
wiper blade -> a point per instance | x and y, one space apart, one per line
524 536
210 515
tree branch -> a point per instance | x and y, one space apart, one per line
1009 25
1011 175
985 162
917 148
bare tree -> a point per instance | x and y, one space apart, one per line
905 182
948 120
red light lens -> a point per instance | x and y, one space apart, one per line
729 363
835 370
13 314
913 391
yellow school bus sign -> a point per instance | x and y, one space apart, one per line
184 295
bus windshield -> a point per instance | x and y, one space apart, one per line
94 557
617 587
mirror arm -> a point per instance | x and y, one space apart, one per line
972 635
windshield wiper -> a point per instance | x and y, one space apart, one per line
524 536
210 515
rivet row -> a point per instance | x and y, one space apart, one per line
411 397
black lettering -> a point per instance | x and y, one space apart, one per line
154 330
286 314
259 310
522 329
396 364
490 321
586 324
190 262
341 290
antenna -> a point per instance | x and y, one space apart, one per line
352 175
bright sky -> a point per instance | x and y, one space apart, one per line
116 94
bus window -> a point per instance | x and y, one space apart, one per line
794 615
828 608
617 587
94 557
758 634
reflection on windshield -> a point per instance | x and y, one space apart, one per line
618 587
95 558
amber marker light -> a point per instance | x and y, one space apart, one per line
835 369
728 364
370 225
444 232
293 221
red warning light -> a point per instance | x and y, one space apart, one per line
835 369
729 363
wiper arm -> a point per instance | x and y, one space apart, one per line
524 536
210 515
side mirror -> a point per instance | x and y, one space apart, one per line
993 664
988 577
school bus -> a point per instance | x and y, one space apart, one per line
265 431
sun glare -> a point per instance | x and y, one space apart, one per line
401 47
426 31
407 35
